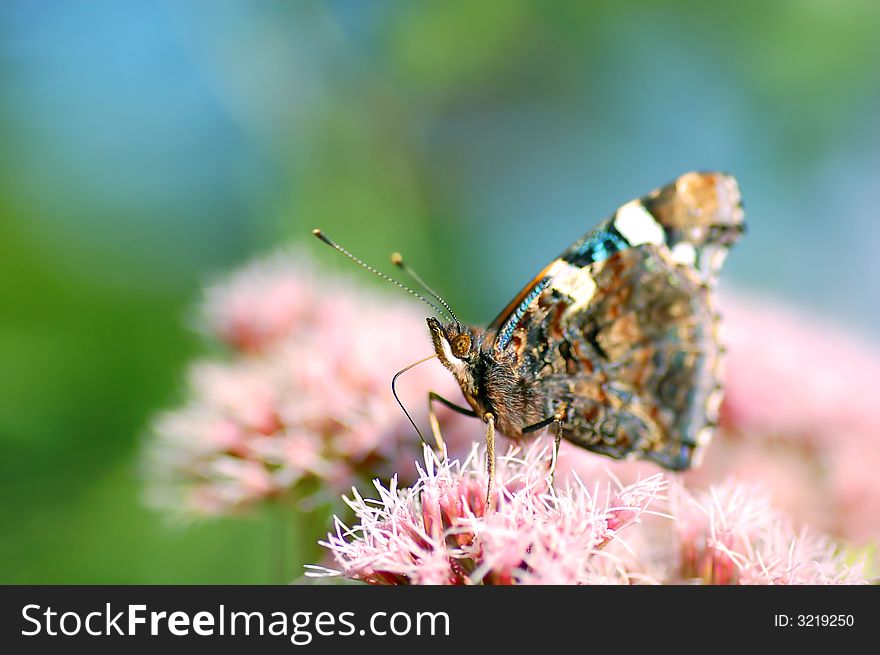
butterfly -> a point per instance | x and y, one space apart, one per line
614 344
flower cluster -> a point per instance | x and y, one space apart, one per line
438 532
800 416
730 534
300 393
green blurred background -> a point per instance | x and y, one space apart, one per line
147 146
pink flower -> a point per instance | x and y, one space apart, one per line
790 373
799 417
730 534
263 302
302 395
438 532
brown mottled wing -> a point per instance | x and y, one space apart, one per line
697 218
641 363
619 330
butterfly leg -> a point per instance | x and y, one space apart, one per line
490 459
556 443
432 416
557 418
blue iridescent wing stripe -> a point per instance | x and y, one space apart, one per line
511 323
598 245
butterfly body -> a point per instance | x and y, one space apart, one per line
615 342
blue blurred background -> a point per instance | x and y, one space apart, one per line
146 146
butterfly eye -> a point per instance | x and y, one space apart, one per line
461 345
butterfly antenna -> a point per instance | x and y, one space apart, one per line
397 260
397 398
330 242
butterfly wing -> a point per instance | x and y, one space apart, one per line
618 333
697 217
637 370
